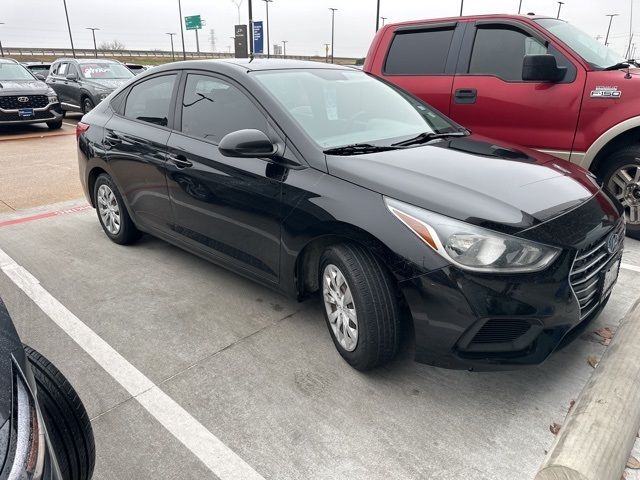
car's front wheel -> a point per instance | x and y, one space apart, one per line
54 124
622 178
65 418
87 105
360 305
112 212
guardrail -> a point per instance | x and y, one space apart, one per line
151 54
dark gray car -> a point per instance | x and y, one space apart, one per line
25 99
82 84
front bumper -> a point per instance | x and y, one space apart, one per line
50 113
465 320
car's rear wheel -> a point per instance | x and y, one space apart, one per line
54 124
360 305
112 212
622 178
87 105
66 419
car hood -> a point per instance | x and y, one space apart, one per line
9 343
473 179
23 87
109 84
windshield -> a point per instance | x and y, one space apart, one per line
104 71
337 107
13 71
591 50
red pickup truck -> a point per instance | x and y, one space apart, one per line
528 80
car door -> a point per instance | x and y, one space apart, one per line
135 141
422 60
490 97
59 83
73 86
230 208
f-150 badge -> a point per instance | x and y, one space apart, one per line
606 92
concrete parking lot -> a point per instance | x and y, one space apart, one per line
257 371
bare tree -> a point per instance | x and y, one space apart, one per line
238 3
116 45
212 39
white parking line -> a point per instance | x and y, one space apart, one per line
628 266
219 458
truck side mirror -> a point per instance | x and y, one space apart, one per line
542 68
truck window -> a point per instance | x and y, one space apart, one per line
499 52
419 52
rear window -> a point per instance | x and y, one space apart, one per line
421 52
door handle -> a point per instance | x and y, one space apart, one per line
466 95
180 161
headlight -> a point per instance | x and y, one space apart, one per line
470 247
51 96
28 460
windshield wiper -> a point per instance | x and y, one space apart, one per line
428 136
618 66
358 149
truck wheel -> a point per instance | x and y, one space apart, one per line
66 419
622 178
360 305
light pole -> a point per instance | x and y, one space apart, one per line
326 53
173 55
66 13
238 4
266 3
461 6
233 39
559 8
284 47
1 50
610 15
378 16
250 33
184 53
93 32
383 20
519 7
333 28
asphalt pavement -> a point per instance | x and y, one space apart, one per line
257 371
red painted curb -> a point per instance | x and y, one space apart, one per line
39 216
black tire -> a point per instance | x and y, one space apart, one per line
87 105
66 419
627 157
128 233
375 301
55 124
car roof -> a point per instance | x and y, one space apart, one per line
495 16
7 60
247 65
86 60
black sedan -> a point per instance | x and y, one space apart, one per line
45 433
311 178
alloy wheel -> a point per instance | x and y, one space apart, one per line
625 185
341 310
109 209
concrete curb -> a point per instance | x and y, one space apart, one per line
600 431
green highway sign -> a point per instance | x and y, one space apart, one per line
193 22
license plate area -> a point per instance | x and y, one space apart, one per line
609 277
25 113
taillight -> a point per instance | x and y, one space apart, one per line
81 128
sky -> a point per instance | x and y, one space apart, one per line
304 24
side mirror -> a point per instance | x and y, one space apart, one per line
542 68
72 77
40 76
247 143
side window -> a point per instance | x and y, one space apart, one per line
62 69
211 108
149 101
500 51
419 52
72 69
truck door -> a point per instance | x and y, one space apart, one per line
422 59
490 98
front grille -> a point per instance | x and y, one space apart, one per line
15 117
11 102
585 273
501 331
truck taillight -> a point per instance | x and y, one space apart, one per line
81 128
